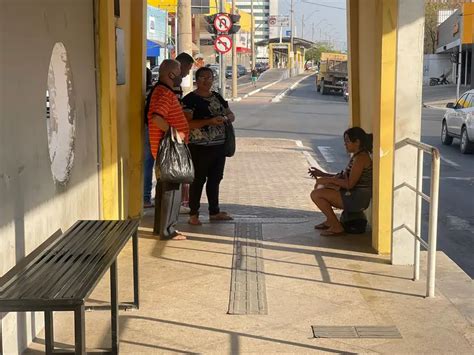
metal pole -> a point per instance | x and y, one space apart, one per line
433 228
312 33
291 37
176 49
419 187
465 66
222 80
252 35
281 34
458 76
234 58
185 36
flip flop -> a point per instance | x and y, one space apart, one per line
328 233
194 221
321 226
178 236
221 216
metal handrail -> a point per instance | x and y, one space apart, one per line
433 216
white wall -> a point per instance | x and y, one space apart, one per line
32 205
407 123
436 64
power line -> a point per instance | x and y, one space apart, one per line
318 4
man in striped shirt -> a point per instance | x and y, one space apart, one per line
165 111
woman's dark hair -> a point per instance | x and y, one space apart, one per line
365 139
149 78
202 70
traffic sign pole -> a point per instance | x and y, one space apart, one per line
221 58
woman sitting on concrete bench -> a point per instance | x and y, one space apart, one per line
350 190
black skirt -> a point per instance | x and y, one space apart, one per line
357 199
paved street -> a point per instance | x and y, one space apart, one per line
318 121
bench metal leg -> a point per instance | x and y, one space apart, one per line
114 307
49 332
80 330
136 280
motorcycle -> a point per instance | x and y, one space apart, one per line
439 81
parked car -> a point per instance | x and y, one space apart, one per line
228 72
155 74
261 67
458 122
241 70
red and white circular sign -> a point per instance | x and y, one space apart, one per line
222 23
223 44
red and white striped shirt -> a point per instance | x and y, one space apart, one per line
165 104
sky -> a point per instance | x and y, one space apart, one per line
332 21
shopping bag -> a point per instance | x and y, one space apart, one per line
174 159
229 144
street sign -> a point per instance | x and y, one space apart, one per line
222 23
223 44
280 21
288 33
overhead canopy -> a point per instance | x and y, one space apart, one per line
297 42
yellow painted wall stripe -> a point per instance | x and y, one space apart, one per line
109 175
136 103
384 130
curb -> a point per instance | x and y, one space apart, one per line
237 99
291 88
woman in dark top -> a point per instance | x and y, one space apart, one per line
207 112
351 189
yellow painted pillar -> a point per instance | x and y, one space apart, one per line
109 174
372 29
353 62
383 128
270 55
135 106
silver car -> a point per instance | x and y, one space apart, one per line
458 122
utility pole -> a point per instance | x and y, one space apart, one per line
252 35
291 54
185 35
458 76
234 58
302 26
222 80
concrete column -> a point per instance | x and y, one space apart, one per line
185 35
407 123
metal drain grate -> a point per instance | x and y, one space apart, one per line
365 332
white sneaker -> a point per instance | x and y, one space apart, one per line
184 210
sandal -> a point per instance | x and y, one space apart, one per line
321 226
328 233
221 216
194 221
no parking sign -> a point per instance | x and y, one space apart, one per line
223 44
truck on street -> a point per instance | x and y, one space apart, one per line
332 73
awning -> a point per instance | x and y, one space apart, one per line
152 49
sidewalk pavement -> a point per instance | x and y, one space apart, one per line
276 277
438 96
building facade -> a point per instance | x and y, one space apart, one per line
262 9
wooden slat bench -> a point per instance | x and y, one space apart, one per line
63 271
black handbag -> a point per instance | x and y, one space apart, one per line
229 144
174 159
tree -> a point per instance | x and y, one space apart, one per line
314 53
431 23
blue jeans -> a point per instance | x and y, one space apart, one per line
148 164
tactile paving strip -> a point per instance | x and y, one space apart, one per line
366 332
247 289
